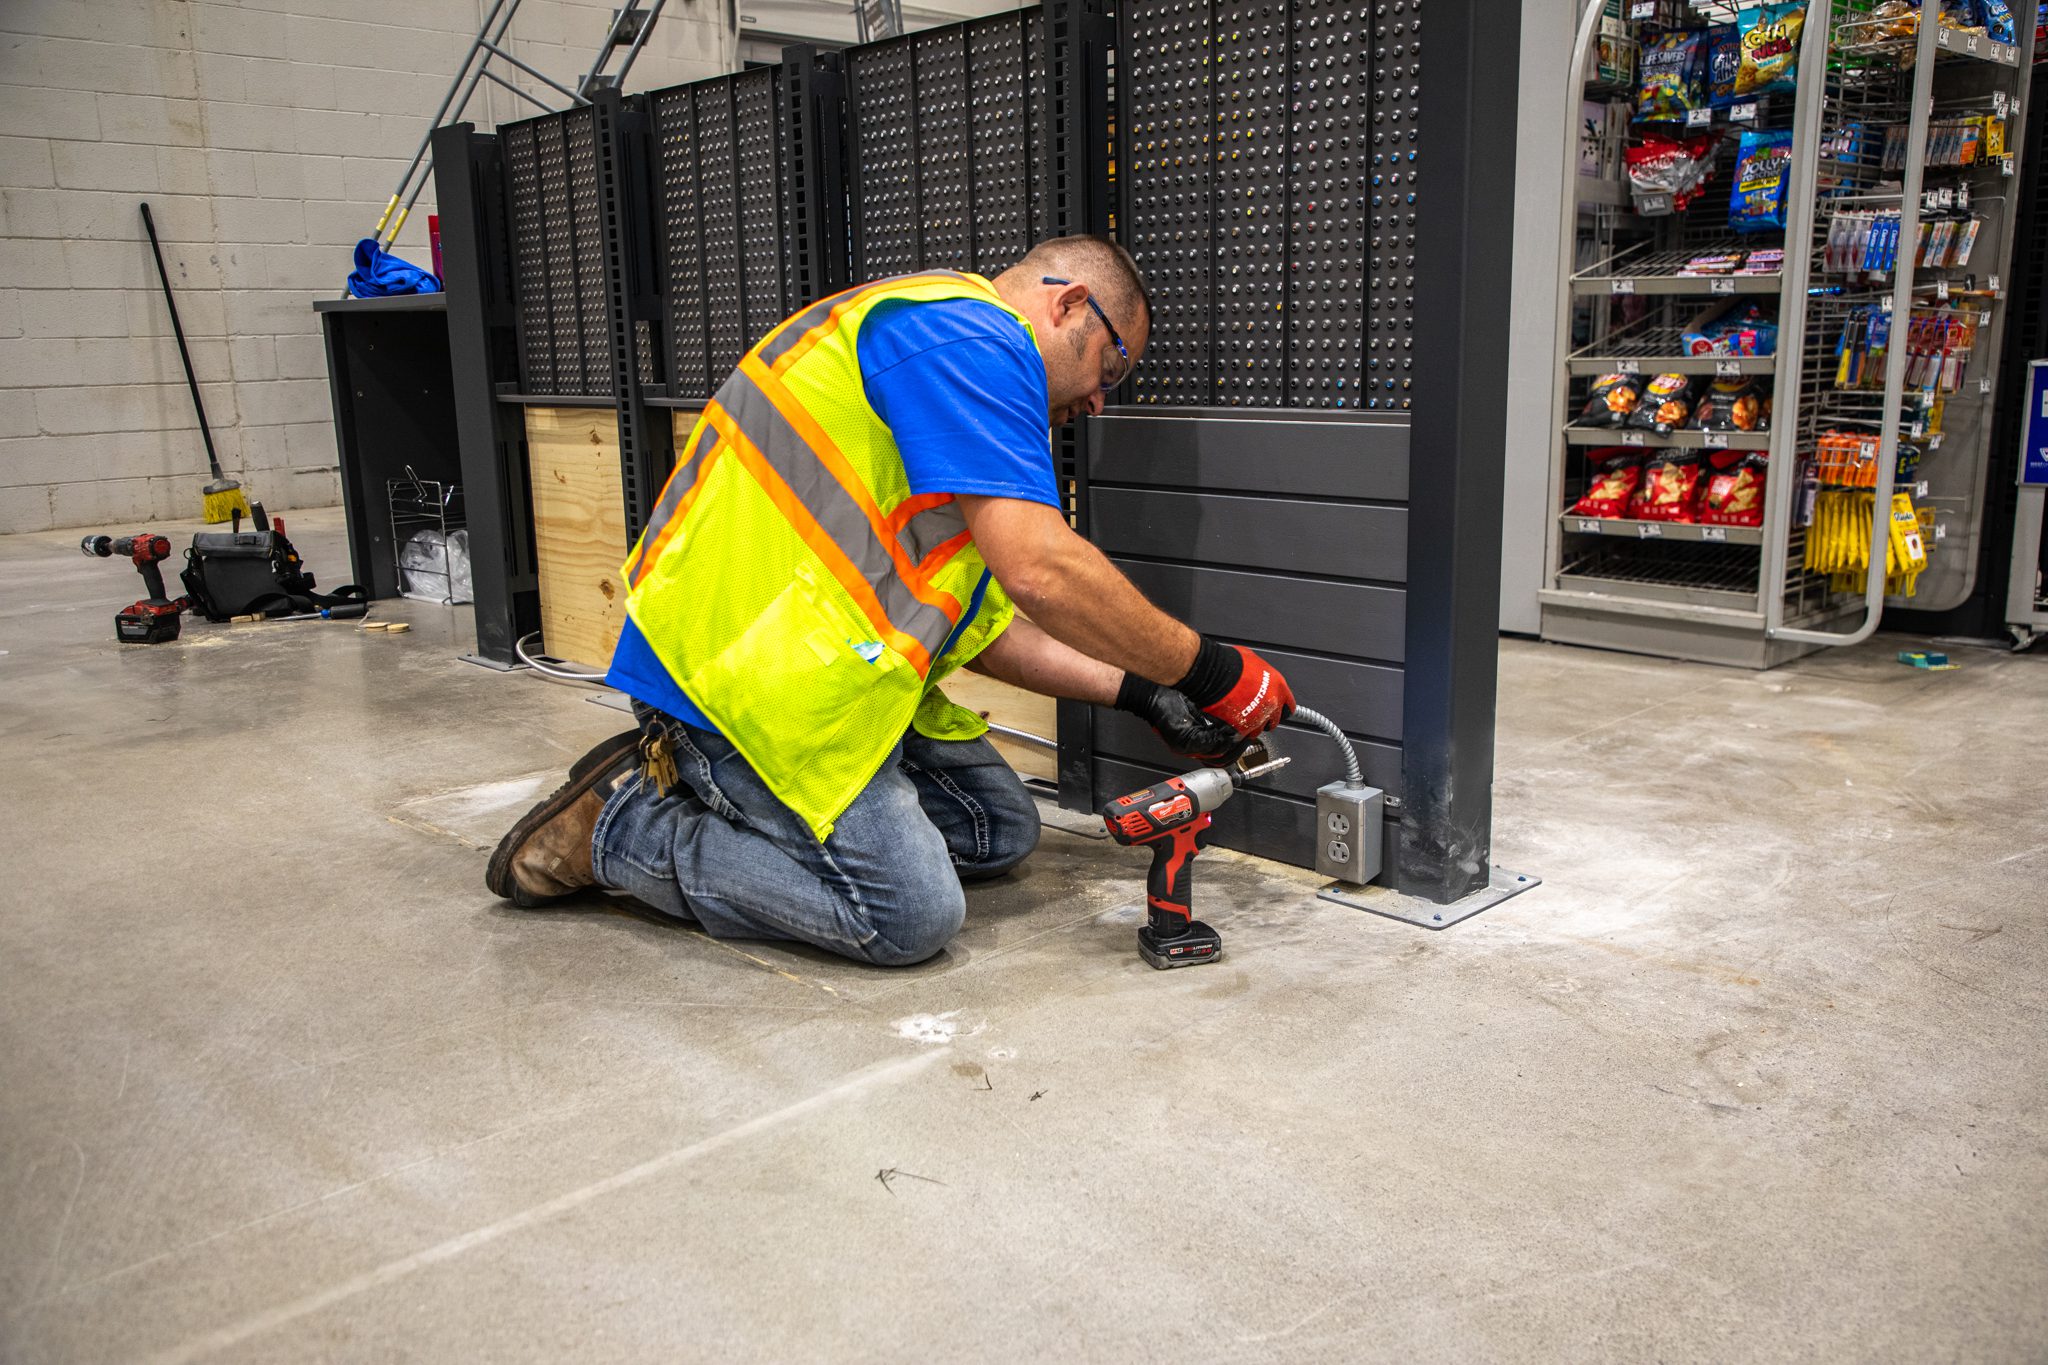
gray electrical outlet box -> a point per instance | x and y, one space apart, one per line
1349 836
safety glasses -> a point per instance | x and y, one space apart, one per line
1123 370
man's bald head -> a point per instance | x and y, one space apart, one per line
1066 288
1101 264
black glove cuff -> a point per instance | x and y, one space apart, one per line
1216 670
1136 694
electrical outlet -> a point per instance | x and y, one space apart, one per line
1349 822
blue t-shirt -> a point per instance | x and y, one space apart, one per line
961 387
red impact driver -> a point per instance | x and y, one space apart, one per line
156 618
1172 817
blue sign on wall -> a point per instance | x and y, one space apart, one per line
2034 443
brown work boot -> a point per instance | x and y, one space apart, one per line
546 856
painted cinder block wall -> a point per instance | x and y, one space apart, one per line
266 136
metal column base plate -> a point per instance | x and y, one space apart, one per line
481 662
1384 900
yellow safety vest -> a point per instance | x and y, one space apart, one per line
789 581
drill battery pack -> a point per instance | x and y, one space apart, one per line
142 624
1191 948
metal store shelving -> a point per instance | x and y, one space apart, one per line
1747 598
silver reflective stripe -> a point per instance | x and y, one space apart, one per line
799 327
931 528
679 482
789 455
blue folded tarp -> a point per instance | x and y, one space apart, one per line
379 273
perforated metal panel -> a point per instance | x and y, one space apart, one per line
1268 195
558 255
948 145
722 183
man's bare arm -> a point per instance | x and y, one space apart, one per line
1073 593
1029 658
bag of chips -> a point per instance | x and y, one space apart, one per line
1612 399
1669 483
1733 492
1732 405
1770 48
1665 405
1672 82
1724 57
1762 165
1616 472
1997 16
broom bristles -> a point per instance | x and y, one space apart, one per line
223 502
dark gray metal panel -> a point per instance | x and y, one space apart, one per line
1315 756
1269 609
1293 535
1327 459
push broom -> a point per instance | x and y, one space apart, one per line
224 496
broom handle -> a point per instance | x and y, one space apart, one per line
191 381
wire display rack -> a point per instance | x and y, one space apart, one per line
429 537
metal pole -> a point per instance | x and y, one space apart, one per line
1807 121
538 75
441 114
633 52
1895 357
535 100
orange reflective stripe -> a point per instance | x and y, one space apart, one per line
944 552
781 351
827 550
912 505
830 456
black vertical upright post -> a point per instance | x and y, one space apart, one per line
628 224
483 351
1466 183
814 96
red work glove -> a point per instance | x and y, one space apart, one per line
1238 688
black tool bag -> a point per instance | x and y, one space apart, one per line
242 573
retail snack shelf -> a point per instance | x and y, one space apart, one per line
1661 530
1677 440
1644 271
1659 350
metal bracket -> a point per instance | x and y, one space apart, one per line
1384 900
495 665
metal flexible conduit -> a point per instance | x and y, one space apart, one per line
1353 774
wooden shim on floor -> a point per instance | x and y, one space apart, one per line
579 527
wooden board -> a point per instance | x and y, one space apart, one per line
579 526
1016 708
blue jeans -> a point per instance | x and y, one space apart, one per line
723 850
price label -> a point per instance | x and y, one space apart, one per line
1721 286
1940 530
1970 42
1590 525
1933 442
2005 166
1998 104
1994 286
1642 9
1649 530
1713 533
1941 290
1948 197
1727 369
1884 304
1916 430
1628 367
1714 440
1941 37
1621 286
1698 118
1631 438
1744 112
1655 205
1920 489
1984 386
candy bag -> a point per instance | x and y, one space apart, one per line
1616 472
1762 164
1733 491
1724 58
1678 168
1997 16
1731 405
1672 83
1665 405
1613 398
1770 48
1669 483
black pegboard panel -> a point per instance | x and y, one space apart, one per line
673 130
949 147
1267 191
551 189
762 242
718 181
1168 196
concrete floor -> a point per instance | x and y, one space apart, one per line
1757 1074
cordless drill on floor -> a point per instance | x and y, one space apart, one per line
156 618
1172 816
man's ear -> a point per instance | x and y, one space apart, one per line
1070 300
